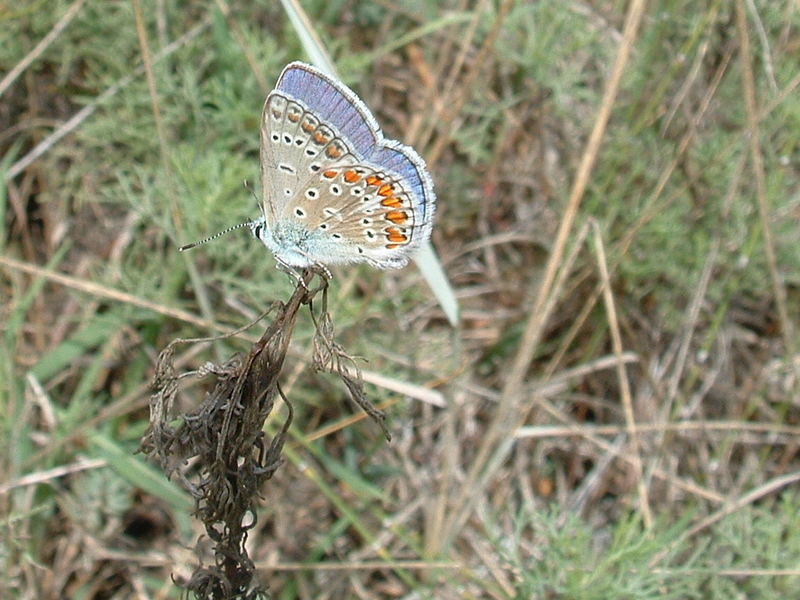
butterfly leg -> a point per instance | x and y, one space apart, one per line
319 268
322 271
291 271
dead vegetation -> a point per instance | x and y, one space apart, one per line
615 415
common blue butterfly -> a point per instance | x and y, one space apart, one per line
334 189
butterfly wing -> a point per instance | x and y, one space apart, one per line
334 190
294 146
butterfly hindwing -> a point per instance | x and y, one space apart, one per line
368 210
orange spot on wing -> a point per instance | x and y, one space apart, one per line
308 127
395 236
385 190
351 176
398 217
329 174
319 138
333 152
293 117
372 180
392 202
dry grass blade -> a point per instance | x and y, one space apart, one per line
43 44
255 68
309 38
624 384
741 427
102 291
748 88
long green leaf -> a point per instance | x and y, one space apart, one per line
426 259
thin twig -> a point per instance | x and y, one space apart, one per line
622 377
45 42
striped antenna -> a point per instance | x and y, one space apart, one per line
215 236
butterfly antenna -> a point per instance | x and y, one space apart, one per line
215 236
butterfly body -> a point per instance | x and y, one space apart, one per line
334 190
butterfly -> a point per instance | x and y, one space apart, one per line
334 189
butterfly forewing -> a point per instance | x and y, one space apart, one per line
272 129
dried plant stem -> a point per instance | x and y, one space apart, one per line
748 88
225 435
43 44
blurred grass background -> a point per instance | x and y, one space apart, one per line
620 415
